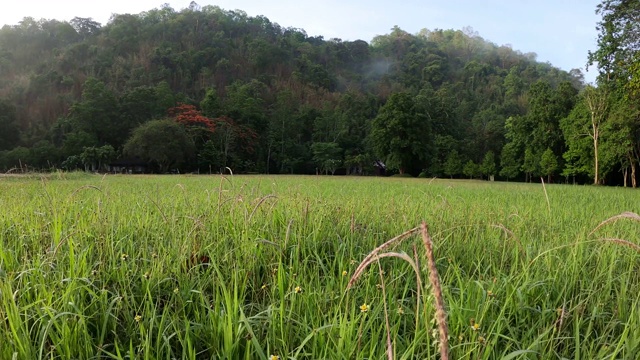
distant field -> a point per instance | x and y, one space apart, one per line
250 267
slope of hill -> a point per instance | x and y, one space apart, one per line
307 102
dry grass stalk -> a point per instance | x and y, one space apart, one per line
288 234
353 223
417 263
386 312
622 242
441 315
511 235
562 315
402 256
624 215
84 187
546 195
371 256
259 203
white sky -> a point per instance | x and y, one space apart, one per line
559 31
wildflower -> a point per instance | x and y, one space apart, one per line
154 256
138 318
460 338
475 327
481 339
400 310
379 286
274 357
263 287
146 275
124 256
176 290
297 290
344 272
94 272
490 293
364 308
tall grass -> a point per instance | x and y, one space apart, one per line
163 267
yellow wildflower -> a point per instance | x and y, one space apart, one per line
344 273
176 290
475 327
274 357
364 308
138 318
298 290
124 257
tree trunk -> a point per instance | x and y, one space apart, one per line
625 173
633 174
596 179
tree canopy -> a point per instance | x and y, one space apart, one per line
255 96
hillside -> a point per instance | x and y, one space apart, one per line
279 101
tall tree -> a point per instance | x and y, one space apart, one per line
617 55
163 143
587 119
400 134
548 164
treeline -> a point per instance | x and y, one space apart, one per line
204 88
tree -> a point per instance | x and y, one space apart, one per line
93 158
548 164
509 162
400 135
471 169
586 120
488 166
85 27
618 63
531 164
453 165
164 143
618 43
328 156
97 114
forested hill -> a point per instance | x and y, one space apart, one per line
242 92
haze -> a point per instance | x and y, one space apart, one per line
560 32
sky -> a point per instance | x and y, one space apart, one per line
561 32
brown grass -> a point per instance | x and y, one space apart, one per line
624 215
376 254
441 315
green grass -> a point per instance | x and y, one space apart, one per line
114 267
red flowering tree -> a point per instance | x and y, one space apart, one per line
189 116
218 139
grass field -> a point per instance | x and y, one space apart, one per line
257 267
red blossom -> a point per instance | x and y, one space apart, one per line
190 116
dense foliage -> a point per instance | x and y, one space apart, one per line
276 100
